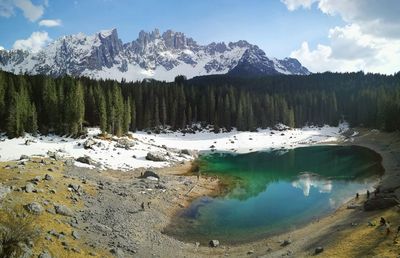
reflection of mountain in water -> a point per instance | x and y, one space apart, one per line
308 180
253 172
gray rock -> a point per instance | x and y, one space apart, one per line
213 243
190 153
286 242
48 177
75 234
319 250
24 157
29 188
4 190
44 254
76 188
86 160
63 210
149 173
125 143
89 143
69 162
36 179
155 156
34 208
117 252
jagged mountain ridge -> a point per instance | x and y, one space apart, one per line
152 55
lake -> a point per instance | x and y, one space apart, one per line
275 191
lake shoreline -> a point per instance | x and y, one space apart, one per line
111 218
322 231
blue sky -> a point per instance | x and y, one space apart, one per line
268 24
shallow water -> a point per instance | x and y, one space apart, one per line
275 191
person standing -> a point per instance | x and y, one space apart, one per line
387 226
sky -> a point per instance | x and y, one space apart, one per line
324 35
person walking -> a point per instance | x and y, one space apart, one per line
142 205
382 221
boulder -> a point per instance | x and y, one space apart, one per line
34 208
149 173
69 162
44 254
124 143
89 143
76 188
319 250
213 243
4 190
75 234
29 188
86 160
55 155
24 157
190 152
380 203
48 177
286 242
155 156
117 252
63 210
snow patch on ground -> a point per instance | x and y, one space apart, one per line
108 155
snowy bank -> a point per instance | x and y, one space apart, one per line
108 154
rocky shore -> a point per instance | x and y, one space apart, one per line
80 212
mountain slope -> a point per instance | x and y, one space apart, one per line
151 55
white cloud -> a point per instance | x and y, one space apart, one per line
31 11
375 17
6 8
351 50
294 4
34 43
370 41
50 23
2 48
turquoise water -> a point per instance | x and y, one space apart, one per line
275 191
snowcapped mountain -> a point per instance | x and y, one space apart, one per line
151 55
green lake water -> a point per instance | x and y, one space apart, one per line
275 191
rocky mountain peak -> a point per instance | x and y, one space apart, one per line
152 55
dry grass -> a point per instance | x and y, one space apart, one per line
45 222
14 233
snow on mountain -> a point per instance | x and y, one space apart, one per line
152 55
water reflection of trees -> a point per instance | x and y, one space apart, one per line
250 174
